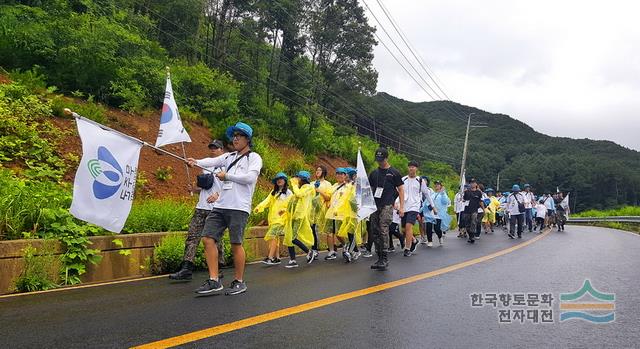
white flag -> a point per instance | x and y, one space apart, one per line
171 129
565 203
463 181
105 182
364 195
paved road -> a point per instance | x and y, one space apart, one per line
432 312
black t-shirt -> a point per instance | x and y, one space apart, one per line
474 197
389 179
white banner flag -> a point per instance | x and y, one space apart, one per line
171 129
105 182
463 181
565 204
364 195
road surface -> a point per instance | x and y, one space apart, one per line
421 301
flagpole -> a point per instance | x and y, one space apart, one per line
184 153
68 111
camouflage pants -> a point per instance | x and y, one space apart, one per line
194 236
380 222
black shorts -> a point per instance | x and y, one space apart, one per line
409 218
219 220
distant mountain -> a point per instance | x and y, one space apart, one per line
599 174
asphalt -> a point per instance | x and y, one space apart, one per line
434 312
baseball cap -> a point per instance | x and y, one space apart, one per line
217 144
381 154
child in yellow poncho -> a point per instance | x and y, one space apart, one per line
337 195
297 231
277 203
490 210
320 205
349 228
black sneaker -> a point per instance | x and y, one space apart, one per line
414 245
511 236
519 236
235 288
380 265
331 256
347 256
391 249
210 287
471 241
267 261
273 261
315 255
407 253
292 264
184 273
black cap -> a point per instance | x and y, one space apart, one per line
216 144
381 154
413 163
438 182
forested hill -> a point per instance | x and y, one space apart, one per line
300 71
599 173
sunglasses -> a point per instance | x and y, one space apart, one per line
238 135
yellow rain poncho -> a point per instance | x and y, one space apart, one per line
490 210
298 224
339 193
320 205
277 205
349 210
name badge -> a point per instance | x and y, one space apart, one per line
226 185
378 193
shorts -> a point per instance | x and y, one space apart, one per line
221 219
409 218
332 226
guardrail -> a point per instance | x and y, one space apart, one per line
621 219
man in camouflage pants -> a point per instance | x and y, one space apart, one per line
204 206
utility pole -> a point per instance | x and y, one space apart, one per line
464 151
498 183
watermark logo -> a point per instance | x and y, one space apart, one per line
106 172
600 310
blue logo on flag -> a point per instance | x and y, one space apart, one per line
107 174
167 114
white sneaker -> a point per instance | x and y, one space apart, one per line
441 240
292 264
423 240
429 244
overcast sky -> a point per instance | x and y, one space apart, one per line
566 68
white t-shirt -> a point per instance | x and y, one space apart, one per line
240 181
414 190
512 204
205 193
528 199
541 211
396 214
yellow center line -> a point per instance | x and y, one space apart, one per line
587 306
274 315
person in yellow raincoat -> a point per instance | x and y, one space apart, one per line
320 205
336 195
349 210
490 211
276 202
297 231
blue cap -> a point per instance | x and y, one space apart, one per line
527 186
239 127
351 171
278 176
516 188
304 174
490 190
341 170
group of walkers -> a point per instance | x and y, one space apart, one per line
515 211
304 207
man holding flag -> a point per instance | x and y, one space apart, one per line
231 210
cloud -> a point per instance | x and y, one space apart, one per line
567 68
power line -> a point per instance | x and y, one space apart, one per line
399 141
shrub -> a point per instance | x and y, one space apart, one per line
40 269
154 215
163 174
168 254
270 157
293 165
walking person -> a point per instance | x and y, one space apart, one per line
387 185
209 186
337 194
529 202
550 204
541 215
491 208
276 202
231 210
516 209
297 231
320 205
415 188
459 205
437 222
394 229
470 213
